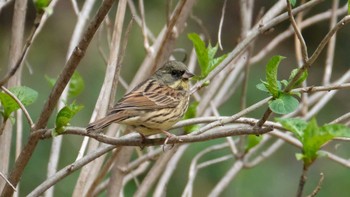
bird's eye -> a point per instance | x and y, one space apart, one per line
177 73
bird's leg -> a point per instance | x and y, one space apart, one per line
142 141
170 135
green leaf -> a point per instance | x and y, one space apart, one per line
295 125
201 51
41 4
76 85
312 136
302 78
271 75
348 7
24 94
336 130
284 82
9 105
299 156
51 80
64 117
212 51
252 141
213 63
293 2
191 113
313 140
205 55
261 86
284 104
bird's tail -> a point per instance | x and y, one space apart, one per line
100 124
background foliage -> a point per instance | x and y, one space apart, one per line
276 176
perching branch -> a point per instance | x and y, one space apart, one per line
138 141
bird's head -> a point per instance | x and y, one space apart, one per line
174 74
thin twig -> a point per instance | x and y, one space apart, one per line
341 118
318 50
318 187
154 173
193 169
14 97
257 30
237 167
171 166
221 23
284 35
146 44
102 173
75 7
20 59
70 169
297 32
265 154
331 45
8 182
138 20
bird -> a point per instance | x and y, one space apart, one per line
154 105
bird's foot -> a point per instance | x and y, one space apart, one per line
143 139
169 136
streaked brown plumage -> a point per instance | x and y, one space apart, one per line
154 105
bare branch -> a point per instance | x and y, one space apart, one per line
331 46
70 169
297 32
221 22
144 27
194 167
105 99
20 59
62 81
302 182
257 30
222 184
318 187
127 140
284 35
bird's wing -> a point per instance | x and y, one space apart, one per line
140 100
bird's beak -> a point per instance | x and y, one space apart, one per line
187 75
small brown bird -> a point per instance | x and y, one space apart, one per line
154 105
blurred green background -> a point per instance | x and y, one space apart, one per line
276 176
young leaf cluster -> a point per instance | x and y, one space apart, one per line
205 55
65 115
282 102
41 5
312 136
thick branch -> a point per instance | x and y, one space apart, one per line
62 81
